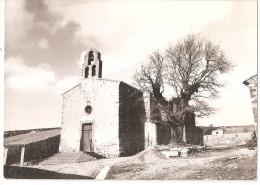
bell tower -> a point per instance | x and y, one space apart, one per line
92 66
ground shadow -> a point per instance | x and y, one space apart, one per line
16 172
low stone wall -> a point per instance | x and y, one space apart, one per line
13 155
33 152
107 150
227 139
36 152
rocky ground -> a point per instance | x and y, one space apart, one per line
224 164
213 164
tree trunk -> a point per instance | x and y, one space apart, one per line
177 135
180 134
173 135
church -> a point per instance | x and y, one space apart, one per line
105 116
112 118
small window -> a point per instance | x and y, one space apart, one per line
93 70
86 72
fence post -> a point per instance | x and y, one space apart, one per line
148 140
5 155
22 156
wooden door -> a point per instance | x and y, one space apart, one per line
87 137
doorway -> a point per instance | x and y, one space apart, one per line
87 145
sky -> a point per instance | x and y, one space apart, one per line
45 42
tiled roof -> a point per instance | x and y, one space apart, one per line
31 137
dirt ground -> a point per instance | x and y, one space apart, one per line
231 164
89 169
221 164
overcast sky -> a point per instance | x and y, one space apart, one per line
45 39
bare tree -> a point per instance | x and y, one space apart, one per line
189 72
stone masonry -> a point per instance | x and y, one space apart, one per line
121 121
252 84
119 113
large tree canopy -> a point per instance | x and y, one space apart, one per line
189 72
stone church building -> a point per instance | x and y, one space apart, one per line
118 120
119 114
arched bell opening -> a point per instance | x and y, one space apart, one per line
86 72
93 70
90 57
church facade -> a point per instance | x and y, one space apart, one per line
119 121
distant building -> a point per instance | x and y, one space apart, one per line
225 136
217 132
252 84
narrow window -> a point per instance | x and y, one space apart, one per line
90 57
86 72
93 70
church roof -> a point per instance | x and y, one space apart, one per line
71 88
101 79
106 79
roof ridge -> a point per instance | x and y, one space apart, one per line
109 79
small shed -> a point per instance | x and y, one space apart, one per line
33 146
217 132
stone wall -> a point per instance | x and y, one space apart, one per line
70 121
38 151
227 139
252 84
103 96
253 93
150 127
13 155
131 120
